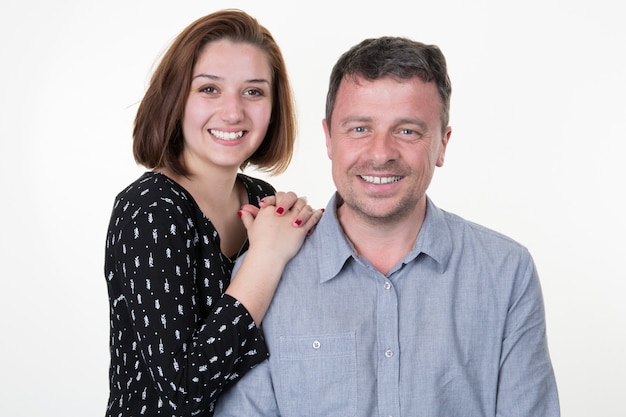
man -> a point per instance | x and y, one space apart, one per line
394 307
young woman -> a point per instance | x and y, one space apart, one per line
219 101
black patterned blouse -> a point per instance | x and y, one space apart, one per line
176 339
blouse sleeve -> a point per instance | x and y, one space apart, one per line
190 358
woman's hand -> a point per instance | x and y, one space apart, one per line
280 225
275 233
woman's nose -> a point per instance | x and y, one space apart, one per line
232 109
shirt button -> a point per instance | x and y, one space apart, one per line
388 353
316 344
387 285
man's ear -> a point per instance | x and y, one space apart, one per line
444 144
327 134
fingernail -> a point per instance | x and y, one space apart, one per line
309 232
280 210
298 222
239 213
323 210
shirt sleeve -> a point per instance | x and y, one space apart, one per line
190 355
251 396
526 387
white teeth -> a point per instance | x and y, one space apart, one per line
226 135
380 180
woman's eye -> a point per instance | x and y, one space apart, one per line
254 92
208 90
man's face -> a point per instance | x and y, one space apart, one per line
384 143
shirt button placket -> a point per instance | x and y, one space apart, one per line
388 374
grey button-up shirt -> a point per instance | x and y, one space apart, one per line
456 328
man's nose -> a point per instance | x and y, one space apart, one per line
383 147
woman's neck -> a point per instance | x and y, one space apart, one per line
219 196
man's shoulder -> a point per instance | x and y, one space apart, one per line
468 231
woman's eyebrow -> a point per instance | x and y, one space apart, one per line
218 78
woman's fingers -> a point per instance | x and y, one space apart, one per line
288 202
269 200
316 216
248 213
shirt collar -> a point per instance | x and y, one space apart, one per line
334 249
434 238
331 243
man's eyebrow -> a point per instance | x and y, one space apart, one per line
355 119
412 121
366 119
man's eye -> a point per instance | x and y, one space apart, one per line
411 134
359 129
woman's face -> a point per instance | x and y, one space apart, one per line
229 106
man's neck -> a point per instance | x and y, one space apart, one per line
383 243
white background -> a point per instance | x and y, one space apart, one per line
537 153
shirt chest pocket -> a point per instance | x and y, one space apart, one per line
318 375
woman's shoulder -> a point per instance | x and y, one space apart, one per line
152 192
153 187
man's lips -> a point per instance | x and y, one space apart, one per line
380 179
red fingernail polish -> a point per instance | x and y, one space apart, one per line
239 213
280 210
298 222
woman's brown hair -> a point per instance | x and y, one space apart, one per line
157 136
